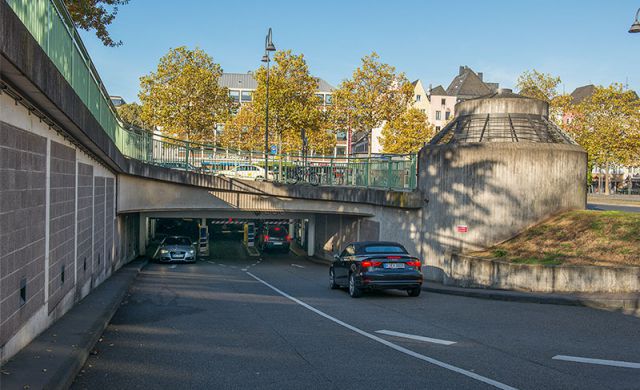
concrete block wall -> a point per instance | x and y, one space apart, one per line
57 215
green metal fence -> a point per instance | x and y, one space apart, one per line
50 24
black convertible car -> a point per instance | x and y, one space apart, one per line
373 265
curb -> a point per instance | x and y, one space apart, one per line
629 304
54 358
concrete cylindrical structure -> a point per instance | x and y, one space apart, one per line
478 194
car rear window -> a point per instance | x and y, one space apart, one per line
383 249
277 232
177 241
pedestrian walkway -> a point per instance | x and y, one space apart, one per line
52 360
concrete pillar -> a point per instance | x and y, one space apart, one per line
311 236
142 236
292 227
152 222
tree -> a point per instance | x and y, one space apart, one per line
244 131
374 94
292 104
406 133
607 125
182 97
131 114
544 86
92 14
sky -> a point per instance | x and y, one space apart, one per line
582 41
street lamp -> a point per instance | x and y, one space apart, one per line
268 47
635 27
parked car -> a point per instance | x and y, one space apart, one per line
176 248
376 265
274 237
245 172
182 166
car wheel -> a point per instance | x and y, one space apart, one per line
414 292
259 178
354 291
332 280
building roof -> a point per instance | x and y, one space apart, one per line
438 91
247 81
468 84
581 93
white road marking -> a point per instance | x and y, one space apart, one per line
414 337
389 344
296 265
603 362
173 266
244 269
212 262
222 265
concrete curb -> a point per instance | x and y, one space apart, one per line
54 358
625 303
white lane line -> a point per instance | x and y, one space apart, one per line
603 362
389 344
244 269
414 337
296 265
173 266
212 262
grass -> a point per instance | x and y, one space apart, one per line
605 238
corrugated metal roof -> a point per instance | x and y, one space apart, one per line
247 81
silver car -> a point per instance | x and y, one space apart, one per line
176 248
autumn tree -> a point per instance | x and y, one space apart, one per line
243 131
131 113
95 15
375 93
607 125
406 133
544 86
182 97
292 104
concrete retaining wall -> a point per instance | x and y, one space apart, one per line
467 271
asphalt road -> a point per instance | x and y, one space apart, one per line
613 207
234 322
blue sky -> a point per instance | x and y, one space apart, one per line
581 41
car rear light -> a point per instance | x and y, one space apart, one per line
414 263
288 237
266 238
368 263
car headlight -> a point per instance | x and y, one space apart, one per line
191 251
163 251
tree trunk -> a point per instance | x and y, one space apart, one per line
599 180
607 180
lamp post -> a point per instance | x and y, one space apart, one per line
268 47
635 27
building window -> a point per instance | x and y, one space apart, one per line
417 98
327 99
341 151
246 96
447 114
443 102
422 110
438 115
437 128
235 96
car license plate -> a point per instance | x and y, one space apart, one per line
176 256
394 265
277 243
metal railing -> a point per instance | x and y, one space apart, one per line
52 27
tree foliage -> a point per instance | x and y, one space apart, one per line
406 133
544 86
607 125
374 94
244 131
96 15
183 98
131 114
292 107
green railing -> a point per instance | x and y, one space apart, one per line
51 26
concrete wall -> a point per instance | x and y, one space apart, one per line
53 216
495 190
466 271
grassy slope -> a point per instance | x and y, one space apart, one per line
577 237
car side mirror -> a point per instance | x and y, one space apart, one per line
336 257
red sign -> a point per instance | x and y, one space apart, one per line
462 228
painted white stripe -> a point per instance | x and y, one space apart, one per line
389 344
296 265
603 362
173 266
414 337
211 262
